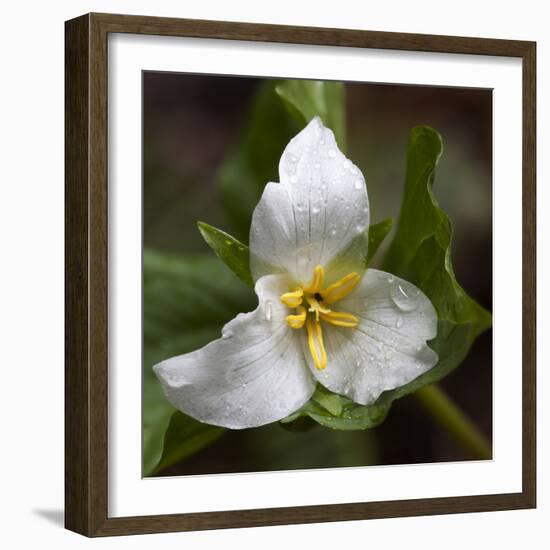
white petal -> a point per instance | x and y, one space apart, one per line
255 374
388 349
319 211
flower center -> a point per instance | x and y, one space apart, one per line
310 304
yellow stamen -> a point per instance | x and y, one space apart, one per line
313 333
321 345
340 319
292 299
315 301
340 289
316 280
297 321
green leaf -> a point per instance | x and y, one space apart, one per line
255 160
377 233
306 99
230 250
185 436
338 412
186 302
421 253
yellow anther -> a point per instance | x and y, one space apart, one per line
316 280
340 319
314 340
340 289
292 299
297 321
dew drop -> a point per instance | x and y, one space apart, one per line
333 231
226 333
229 243
331 153
391 279
316 209
389 354
294 178
358 184
406 301
399 322
268 310
300 207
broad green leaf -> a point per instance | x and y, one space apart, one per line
186 302
377 233
306 99
185 436
421 253
338 412
233 253
255 160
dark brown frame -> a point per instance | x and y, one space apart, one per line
86 274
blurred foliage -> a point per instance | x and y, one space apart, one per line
185 436
255 160
306 99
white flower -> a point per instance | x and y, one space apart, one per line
321 317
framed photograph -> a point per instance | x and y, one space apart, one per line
300 274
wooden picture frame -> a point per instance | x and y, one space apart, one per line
86 364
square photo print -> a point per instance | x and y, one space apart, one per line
317 274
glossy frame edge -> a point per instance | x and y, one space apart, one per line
86 421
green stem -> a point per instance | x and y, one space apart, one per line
459 426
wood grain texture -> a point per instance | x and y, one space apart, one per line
86 257
77 387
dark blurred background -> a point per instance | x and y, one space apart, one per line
191 122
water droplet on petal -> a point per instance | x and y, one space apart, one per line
358 184
226 333
391 279
399 322
406 301
315 209
294 178
389 354
333 231
229 243
268 310
331 153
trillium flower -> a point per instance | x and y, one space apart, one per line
321 316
